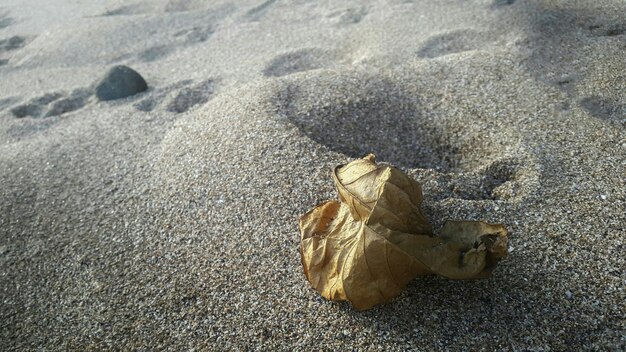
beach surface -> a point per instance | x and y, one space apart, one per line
168 219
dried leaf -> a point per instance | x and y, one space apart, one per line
366 247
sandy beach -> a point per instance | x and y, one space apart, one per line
168 219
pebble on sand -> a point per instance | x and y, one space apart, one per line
120 82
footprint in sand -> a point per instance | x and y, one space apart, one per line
5 20
451 43
172 6
36 113
190 97
195 34
35 107
185 98
298 61
255 13
179 25
125 10
608 29
603 108
60 104
77 100
9 45
349 16
502 3
376 114
181 38
186 5
12 43
498 180
157 95
155 53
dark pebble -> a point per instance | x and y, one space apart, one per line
120 82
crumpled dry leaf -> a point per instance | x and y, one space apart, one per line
368 246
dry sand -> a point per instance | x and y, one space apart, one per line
168 220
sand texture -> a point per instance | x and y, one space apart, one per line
167 220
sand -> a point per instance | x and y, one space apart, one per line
168 220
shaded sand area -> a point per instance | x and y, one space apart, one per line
168 219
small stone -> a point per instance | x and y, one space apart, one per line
569 294
603 196
120 82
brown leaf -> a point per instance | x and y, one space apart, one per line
369 245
